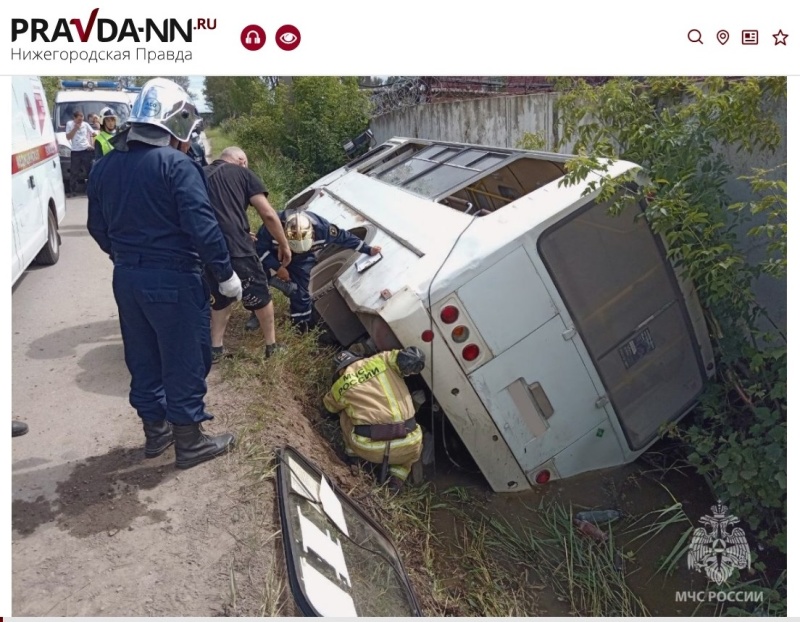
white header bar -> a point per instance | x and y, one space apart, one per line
400 38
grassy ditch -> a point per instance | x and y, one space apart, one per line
588 576
278 404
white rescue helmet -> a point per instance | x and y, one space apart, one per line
165 104
299 232
108 113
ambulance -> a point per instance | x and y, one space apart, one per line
559 338
37 190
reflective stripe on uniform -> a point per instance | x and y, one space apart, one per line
264 256
105 145
303 314
387 390
374 367
360 246
399 471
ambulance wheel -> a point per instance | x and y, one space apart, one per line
52 248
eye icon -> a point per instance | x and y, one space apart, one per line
287 37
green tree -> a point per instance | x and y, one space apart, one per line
307 120
230 96
674 128
51 86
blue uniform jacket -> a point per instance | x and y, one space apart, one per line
324 233
153 201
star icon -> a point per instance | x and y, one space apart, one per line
780 38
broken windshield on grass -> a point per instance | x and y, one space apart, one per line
340 562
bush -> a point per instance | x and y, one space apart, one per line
305 122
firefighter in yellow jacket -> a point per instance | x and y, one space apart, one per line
376 412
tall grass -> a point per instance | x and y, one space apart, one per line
585 574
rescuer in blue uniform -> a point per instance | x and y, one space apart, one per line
149 210
307 234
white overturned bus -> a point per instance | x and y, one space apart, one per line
559 338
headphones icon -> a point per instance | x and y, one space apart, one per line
252 38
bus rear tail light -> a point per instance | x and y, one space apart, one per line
427 336
460 334
470 352
542 477
449 314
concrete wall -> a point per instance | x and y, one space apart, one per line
491 121
502 121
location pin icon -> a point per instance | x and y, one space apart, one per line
722 36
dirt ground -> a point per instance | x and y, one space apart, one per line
96 528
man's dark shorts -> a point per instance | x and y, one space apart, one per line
255 291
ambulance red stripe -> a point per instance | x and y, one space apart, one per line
31 157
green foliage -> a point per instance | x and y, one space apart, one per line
233 96
301 125
51 86
772 207
675 129
532 141
279 175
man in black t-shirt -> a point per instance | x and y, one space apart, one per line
233 187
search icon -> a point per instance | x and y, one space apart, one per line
695 36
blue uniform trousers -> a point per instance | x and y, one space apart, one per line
300 304
164 317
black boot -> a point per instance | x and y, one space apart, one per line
18 428
302 327
287 288
158 437
252 322
273 349
193 447
395 484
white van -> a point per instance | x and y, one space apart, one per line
558 338
37 190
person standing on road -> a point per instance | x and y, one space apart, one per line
81 139
232 187
108 127
307 233
149 210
